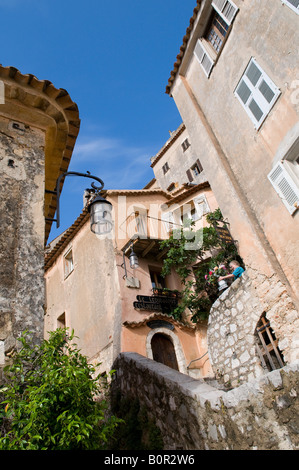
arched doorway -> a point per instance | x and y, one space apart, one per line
163 350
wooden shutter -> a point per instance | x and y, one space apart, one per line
203 58
285 187
189 174
226 9
199 165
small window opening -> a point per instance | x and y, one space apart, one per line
68 263
195 169
157 280
185 144
267 346
165 168
61 321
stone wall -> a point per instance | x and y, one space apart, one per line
232 325
196 414
22 233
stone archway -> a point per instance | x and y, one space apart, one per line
163 350
172 337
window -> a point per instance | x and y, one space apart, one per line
171 187
267 346
293 4
61 321
194 171
217 32
141 222
202 206
224 12
193 210
165 168
185 144
190 215
256 93
157 280
68 263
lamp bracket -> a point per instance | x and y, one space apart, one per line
57 190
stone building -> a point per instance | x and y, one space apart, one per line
177 163
235 85
38 128
115 306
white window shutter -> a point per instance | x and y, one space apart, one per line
257 93
226 8
201 205
285 187
168 220
293 4
203 58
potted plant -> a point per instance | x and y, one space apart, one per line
213 277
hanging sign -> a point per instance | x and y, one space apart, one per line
145 302
224 234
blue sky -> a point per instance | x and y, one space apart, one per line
114 58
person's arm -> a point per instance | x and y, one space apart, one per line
228 276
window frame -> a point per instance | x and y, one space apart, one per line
204 52
68 264
165 168
155 273
185 144
256 95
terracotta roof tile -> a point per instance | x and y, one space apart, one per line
157 316
44 96
183 47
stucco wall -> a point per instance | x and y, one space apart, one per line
179 162
22 234
197 414
236 157
88 296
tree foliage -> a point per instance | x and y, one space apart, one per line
193 260
52 399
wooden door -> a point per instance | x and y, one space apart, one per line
163 351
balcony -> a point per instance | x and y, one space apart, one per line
145 234
162 300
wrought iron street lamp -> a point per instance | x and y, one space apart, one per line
134 264
99 208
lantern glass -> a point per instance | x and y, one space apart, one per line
133 260
100 216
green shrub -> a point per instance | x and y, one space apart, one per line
52 399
